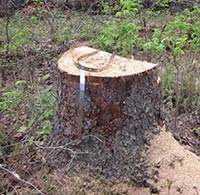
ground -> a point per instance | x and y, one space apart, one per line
175 170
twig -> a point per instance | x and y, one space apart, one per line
63 147
15 190
52 30
70 162
70 143
177 88
52 147
7 35
19 179
15 144
59 147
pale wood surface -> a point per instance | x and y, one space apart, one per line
119 66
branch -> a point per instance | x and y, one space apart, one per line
63 147
21 180
67 144
7 35
15 144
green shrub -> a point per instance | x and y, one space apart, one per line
118 36
30 110
178 36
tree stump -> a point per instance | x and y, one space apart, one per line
121 113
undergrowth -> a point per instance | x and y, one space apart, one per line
30 110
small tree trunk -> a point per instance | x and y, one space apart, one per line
121 113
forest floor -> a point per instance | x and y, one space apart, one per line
175 171
177 163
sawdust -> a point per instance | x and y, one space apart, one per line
177 169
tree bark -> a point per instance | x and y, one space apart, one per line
121 114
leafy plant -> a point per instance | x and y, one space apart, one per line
121 7
10 100
127 8
197 131
189 91
120 36
168 77
36 110
179 35
163 3
121 33
46 110
18 39
156 46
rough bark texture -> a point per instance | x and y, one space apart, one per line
120 115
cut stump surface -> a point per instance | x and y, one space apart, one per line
119 66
